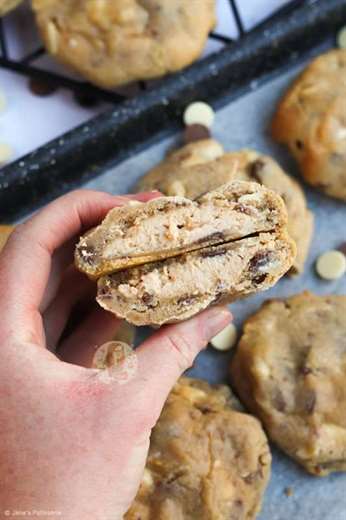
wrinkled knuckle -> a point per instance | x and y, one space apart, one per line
182 349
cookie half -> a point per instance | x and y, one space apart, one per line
116 42
177 288
311 121
202 166
169 226
207 459
290 370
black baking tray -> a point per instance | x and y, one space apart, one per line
85 152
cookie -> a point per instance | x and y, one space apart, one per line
8 5
177 288
202 166
5 232
290 370
207 460
311 121
113 43
167 226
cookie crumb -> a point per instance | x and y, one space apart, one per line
226 339
288 491
342 248
331 265
199 113
42 88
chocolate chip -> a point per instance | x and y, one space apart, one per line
87 253
251 477
186 300
242 209
305 371
147 298
205 410
209 253
260 279
217 298
255 168
218 236
260 260
195 133
42 88
310 401
279 401
105 292
342 248
85 99
299 144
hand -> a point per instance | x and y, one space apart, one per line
70 442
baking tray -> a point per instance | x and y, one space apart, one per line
134 124
243 122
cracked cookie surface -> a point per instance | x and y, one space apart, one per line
311 121
207 459
202 166
116 42
290 369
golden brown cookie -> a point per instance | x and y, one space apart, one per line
115 42
290 370
203 166
5 232
311 121
8 5
207 460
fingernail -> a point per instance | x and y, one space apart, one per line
216 319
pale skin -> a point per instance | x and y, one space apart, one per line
70 442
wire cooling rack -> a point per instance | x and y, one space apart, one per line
23 59
133 119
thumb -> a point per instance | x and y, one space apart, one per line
165 356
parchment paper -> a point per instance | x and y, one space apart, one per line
244 123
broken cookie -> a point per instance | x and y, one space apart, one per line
170 258
207 460
168 226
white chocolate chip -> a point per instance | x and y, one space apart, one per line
3 101
147 479
52 38
341 38
199 113
6 152
226 339
262 368
331 265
